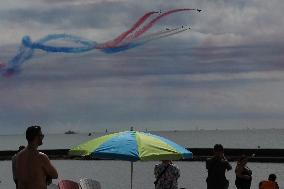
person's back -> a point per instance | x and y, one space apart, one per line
270 183
31 170
166 175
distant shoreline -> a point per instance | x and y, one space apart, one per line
154 131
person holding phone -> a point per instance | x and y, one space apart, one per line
217 167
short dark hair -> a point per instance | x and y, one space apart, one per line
272 177
218 148
32 132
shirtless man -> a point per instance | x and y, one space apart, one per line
33 167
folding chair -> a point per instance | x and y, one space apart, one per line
68 184
86 183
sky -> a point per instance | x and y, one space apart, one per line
226 72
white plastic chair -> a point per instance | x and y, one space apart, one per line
86 183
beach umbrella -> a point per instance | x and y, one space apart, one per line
131 146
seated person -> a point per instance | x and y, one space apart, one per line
270 183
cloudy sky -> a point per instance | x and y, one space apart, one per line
226 72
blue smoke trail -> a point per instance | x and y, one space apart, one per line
123 42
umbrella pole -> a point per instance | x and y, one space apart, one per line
131 174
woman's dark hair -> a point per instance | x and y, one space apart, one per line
218 148
32 132
242 157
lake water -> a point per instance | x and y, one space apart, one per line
272 138
116 174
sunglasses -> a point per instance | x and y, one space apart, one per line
41 135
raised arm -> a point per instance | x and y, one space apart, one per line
49 169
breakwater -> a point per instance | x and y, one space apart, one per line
199 154
233 154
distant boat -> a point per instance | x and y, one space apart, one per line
70 132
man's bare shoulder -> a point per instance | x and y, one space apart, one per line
21 154
43 155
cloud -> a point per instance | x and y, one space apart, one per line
164 57
100 21
227 70
79 16
222 23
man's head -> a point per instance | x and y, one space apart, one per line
34 135
272 177
218 150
